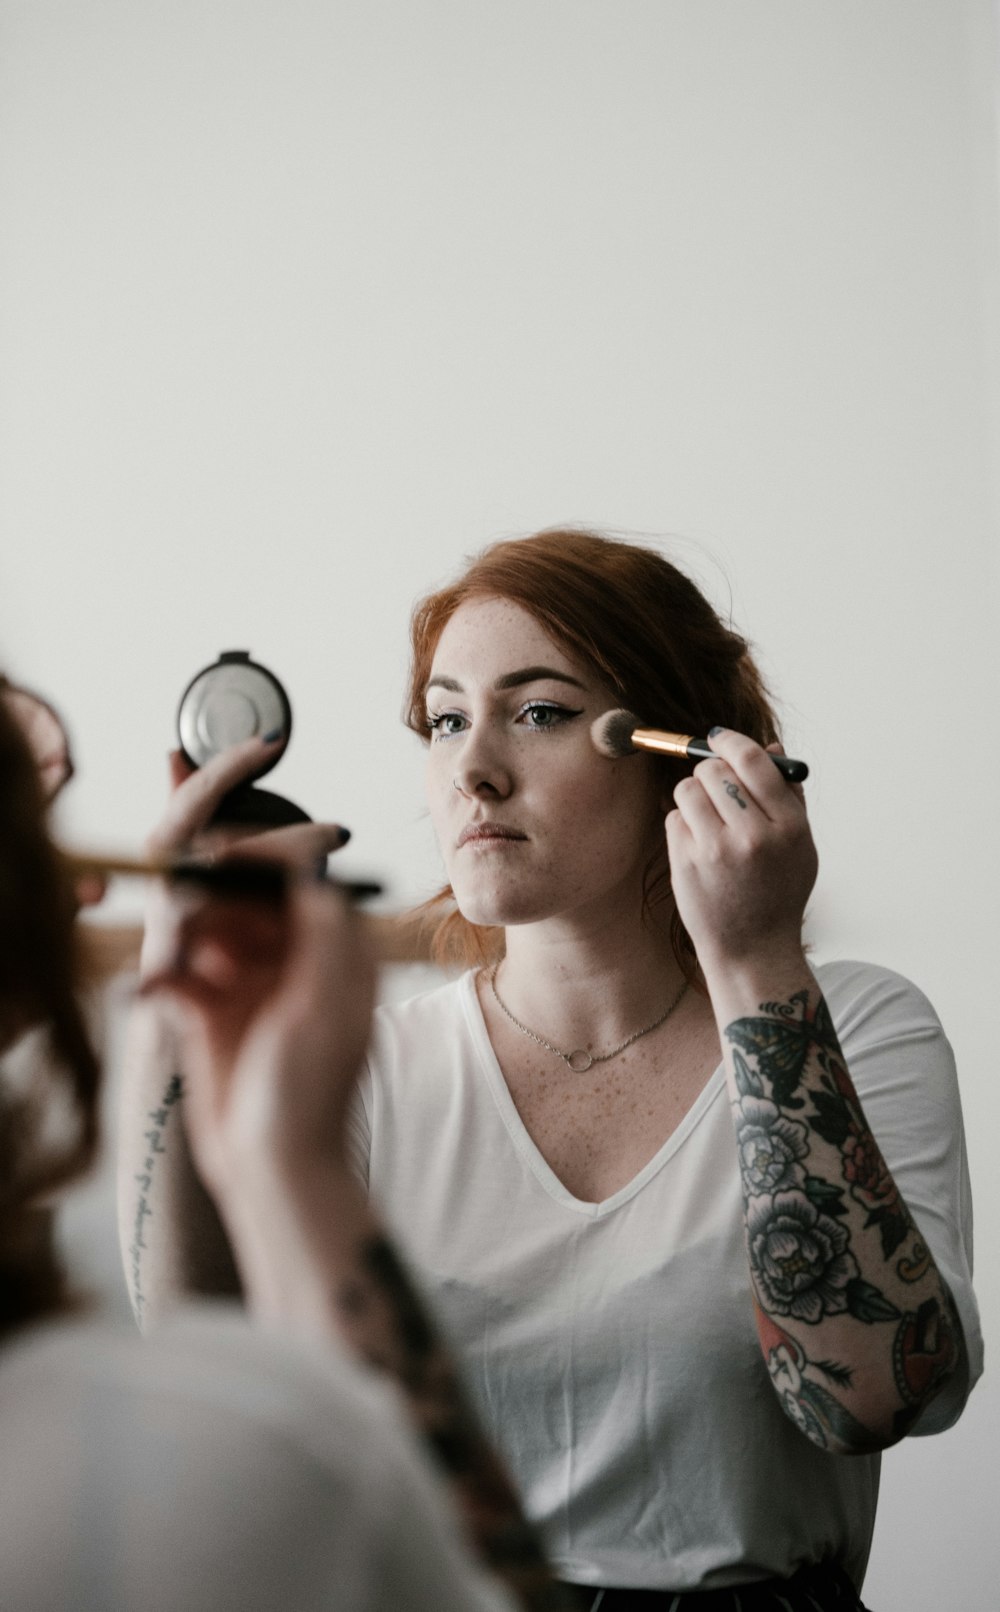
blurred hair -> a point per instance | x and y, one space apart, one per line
642 626
37 980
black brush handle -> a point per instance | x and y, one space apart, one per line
255 879
795 771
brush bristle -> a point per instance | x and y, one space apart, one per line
612 734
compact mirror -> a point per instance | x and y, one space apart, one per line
237 698
233 699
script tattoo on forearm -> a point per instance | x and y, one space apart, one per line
155 1138
387 1324
801 1226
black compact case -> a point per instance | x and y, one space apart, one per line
234 699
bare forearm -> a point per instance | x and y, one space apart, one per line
315 1257
854 1318
172 1240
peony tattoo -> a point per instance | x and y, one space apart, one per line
799 1257
771 1147
804 1202
797 1235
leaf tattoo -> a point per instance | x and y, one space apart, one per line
866 1303
783 1041
747 1083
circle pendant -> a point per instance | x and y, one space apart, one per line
579 1061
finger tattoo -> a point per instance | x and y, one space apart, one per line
732 791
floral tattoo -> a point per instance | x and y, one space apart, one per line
799 1223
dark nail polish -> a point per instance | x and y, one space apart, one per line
713 731
273 737
345 835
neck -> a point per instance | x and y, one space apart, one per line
591 987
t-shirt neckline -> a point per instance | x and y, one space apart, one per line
525 1146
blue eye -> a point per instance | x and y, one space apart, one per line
539 715
446 724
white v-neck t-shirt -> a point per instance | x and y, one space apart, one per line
610 1348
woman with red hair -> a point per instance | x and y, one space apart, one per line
695 1213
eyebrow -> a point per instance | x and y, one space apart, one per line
527 674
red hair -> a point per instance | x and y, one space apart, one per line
636 620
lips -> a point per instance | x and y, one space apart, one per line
485 833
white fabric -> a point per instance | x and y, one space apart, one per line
212 1468
611 1347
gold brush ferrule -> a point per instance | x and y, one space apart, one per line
667 744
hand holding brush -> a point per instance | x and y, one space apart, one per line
618 733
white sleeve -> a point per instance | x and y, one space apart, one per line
904 1071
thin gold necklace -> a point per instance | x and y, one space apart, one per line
580 1060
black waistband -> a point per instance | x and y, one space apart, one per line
823 1587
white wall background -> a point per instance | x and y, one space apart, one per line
300 303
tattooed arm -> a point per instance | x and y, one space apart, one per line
172 1240
272 1048
855 1320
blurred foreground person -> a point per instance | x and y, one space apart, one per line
219 1465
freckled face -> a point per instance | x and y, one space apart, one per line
532 822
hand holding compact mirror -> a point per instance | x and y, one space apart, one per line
235 699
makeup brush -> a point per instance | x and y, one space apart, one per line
618 733
249 876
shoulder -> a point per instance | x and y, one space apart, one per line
894 1044
861 995
283 1470
417 1045
208 1363
419 1021
207 1430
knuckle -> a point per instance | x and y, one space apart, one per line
742 749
